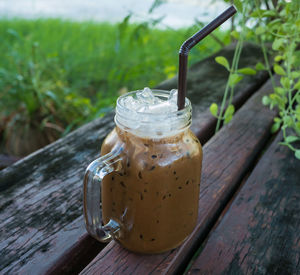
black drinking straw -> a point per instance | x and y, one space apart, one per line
190 43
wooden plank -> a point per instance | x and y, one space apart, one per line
45 197
227 157
41 194
77 256
259 234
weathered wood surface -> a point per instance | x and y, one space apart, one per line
79 255
44 197
227 157
6 160
260 232
41 194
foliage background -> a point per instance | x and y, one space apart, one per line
56 75
275 26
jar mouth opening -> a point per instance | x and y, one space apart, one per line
155 124
161 94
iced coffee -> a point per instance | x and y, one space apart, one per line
153 192
144 189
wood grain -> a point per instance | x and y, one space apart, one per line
41 201
259 234
41 195
227 157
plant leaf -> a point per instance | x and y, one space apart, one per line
228 113
247 71
223 61
260 30
260 67
291 139
123 26
13 33
265 100
278 58
295 74
256 13
234 79
275 127
285 82
279 70
297 85
230 110
269 13
297 154
52 96
227 119
277 44
214 109
238 4
235 34
155 5
287 120
274 22
280 90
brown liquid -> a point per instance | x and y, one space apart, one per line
155 192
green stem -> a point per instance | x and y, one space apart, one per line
234 66
290 107
263 47
232 70
291 48
290 146
222 106
295 96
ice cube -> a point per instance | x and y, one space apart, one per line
146 96
164 107
143 109
173 97
131 103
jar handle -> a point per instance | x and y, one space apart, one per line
92 201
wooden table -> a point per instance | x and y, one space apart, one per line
249 214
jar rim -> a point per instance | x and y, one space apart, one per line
156 92
149 124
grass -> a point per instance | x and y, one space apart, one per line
66 73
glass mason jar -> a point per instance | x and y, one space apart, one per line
145 186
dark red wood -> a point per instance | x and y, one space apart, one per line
259 234
227 157
80 254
